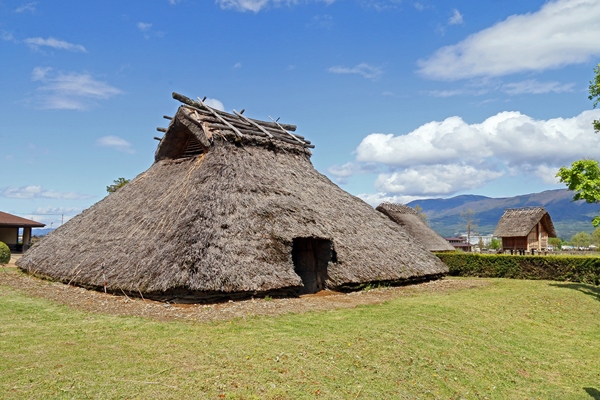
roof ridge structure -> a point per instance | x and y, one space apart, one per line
240 124
399 208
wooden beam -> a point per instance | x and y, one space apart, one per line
239 114
286 132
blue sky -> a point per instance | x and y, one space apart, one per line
403 99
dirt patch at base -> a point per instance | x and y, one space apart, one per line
93 301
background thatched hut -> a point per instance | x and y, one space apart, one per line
408 218
525 229
231 206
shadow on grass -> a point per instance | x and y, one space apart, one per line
590 290
594 393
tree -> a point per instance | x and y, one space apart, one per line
555 242
584 175
117 184
595 94
470 222
421 214
596 237
480 243
581 239
495 244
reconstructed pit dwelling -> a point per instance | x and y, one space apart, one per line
408 218
231 207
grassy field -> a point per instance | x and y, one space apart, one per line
509 339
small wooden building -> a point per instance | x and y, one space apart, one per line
9 231
525 229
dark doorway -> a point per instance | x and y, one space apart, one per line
311 256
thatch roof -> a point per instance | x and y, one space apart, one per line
225 220
518 222
12 221
414 225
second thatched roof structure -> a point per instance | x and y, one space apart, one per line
408 218
516 222
231 207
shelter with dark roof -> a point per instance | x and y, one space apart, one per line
525 229
10 225
408 218
231 207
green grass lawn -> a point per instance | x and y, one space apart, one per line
510 339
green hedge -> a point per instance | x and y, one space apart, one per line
4 253
556 268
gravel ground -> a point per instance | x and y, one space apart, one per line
93 301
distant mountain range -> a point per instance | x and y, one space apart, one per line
41 231
569 217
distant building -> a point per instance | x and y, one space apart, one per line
10 225
525 229
460 243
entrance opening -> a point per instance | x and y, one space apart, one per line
311 256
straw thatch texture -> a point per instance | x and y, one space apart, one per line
223 223
414 225
518 222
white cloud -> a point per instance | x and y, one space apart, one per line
33 192
143 26
321 21
72 91
57 210
457 92
258 5
562 32
381 5
173 2
7 36
214 103
434 180
419 6
375 199
533 86
237 65
342 171
363 69
116 143
450 156
146 29
456 18
28 7
37 42
243 5
39 73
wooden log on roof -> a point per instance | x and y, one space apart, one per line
285 131
186 100
277 136
242 123
161 129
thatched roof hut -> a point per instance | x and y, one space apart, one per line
230 207
408 218
525 229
